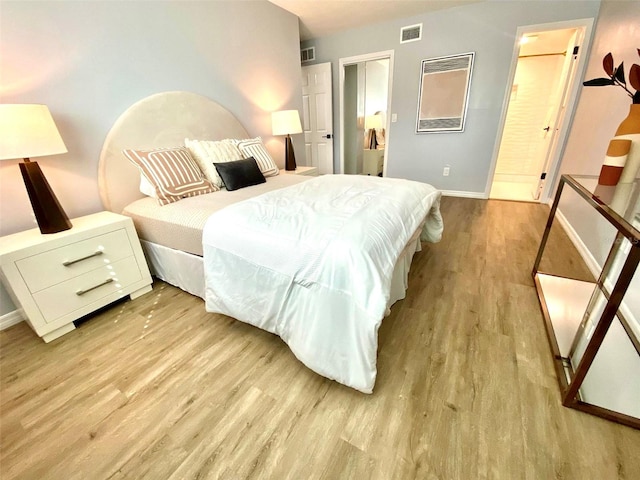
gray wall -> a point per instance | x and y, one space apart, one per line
89 61
487 28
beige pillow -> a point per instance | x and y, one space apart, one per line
206 153
254 147
172 171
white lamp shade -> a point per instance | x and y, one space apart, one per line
285 122
28 131
373 121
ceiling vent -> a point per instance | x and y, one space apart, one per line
308 54
412 33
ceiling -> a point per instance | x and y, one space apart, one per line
319 18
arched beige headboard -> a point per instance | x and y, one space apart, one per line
161 120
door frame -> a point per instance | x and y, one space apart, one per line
555 156
343 62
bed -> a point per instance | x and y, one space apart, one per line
269 254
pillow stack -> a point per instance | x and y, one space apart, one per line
170 174
207 153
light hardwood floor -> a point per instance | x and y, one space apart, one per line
156 388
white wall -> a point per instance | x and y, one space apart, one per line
598 114
487 28
377 87
89 61
601 109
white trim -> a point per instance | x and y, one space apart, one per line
343 62
462 194
587 25
10 319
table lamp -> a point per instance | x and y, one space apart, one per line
28 131
372 122
286 122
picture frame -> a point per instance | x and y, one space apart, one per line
443 96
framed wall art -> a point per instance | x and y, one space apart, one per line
444 93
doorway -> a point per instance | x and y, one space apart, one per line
541 97
365 99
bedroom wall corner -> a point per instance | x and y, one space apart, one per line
89 61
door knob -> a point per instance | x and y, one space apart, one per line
328 135
547 128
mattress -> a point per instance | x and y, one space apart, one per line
179 225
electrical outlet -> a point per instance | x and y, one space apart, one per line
445 172
394 117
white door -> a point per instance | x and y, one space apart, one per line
557 114
317 116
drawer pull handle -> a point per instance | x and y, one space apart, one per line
87 290
66 263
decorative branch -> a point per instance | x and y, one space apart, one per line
616 77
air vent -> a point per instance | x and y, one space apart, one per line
412 33
308 54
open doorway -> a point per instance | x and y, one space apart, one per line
540 101
365 99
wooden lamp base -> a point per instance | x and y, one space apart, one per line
289 155
49 214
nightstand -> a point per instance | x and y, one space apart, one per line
372 162
301 170
56 279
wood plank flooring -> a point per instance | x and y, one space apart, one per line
157 388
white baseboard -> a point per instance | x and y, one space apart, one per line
9 319
459 193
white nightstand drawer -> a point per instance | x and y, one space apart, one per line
60 264
64 298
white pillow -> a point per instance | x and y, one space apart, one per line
255 148
146 187
206 153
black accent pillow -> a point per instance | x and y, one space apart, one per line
240 173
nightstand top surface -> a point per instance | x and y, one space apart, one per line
80 225
300 170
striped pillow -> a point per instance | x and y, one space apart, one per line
206 153
254 148
172 171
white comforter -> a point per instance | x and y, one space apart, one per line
313 263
